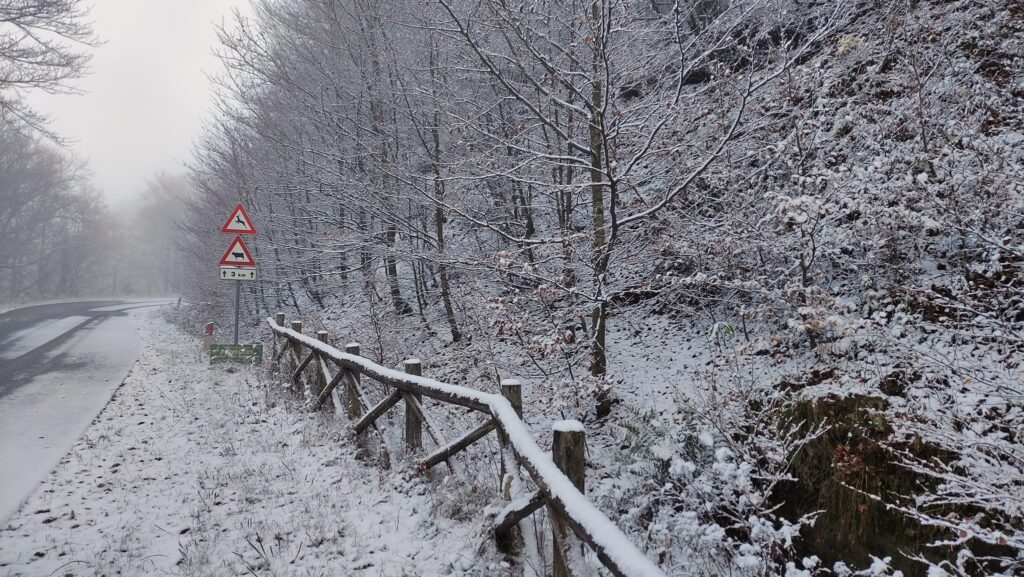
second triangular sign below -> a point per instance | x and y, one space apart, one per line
239 222
237 254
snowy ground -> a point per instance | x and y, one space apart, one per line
193 470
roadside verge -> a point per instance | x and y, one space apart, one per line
198 470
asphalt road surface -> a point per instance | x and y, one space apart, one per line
59 365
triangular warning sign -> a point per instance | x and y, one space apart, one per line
239 222
237 254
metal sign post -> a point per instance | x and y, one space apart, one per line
238 298
238 265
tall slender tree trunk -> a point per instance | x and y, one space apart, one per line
446 291
365 260
599 258
599 315
391 270
439 219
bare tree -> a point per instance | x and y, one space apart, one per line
52 225
41 48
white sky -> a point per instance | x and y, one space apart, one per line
147 91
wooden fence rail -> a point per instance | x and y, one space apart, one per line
559 480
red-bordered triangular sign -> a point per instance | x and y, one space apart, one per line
237 254
239 222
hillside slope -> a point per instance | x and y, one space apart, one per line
809 354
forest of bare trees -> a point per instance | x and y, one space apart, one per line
820 196
543 138
58 237
45 216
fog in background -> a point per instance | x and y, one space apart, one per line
101 101
146 91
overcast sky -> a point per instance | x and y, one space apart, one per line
147 91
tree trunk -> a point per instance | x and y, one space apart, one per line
439 219
599 259
599 315
391 270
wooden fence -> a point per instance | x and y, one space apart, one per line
559 477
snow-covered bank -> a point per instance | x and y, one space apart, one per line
193 470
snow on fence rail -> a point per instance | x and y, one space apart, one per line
559 481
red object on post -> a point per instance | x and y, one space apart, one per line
239 222
209 329
237 254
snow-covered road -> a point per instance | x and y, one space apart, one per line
59 365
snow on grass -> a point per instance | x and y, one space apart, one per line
198 470
604 535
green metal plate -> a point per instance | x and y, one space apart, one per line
245 354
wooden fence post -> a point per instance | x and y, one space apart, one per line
512 390
567 452
321 378
413 425
353 408
296 354
279 319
